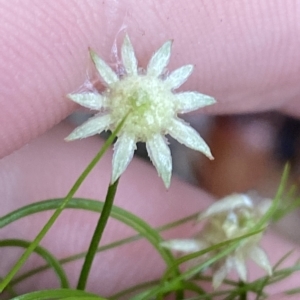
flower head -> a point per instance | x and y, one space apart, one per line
230 217
147 98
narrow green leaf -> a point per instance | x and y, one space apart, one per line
107 247
58 294
59 209
9 289
191 286
134 288
120 214
282 259
45 254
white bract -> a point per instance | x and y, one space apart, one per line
228 218
148 99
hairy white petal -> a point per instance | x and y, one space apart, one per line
189 101
91 127
219 276
184 245
240 266
106 72
221 273
160 155
159 60
128 57
188 136
123 153
259 256
227 204
179 76
89 100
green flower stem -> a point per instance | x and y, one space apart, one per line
243 294
58 211
102 248
109 200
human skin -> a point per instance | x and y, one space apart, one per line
245 55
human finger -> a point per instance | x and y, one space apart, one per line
245 54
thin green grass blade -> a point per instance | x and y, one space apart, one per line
134 288
9 289
269 215
20 262
120 214
45 254
107 247
103 248
58 294
282 259
72 258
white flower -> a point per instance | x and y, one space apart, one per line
228 218
148 97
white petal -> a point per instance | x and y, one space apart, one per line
184 245
128 57
91 127
123 153
228 203
259 256
106 72
189 101
188 136
221 273
159 60
240 266
179 76
89 100
160 155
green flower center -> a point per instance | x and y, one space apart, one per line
149 102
